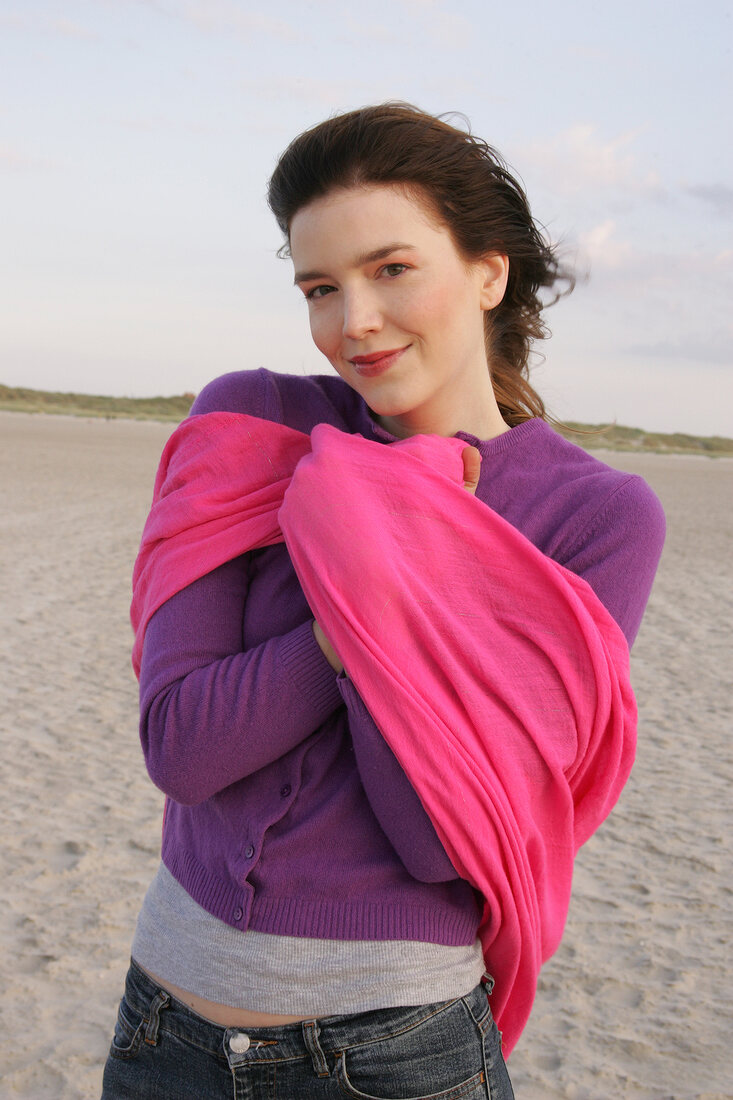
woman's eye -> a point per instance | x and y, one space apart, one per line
318 292
391 270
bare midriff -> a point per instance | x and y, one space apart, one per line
224 1015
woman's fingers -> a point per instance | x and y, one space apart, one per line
471 468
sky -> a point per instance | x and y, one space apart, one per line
138 255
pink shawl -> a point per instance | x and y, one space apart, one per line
497 677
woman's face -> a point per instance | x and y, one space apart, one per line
396 310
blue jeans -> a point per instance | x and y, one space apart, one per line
163 1051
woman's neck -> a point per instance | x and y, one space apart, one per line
482 420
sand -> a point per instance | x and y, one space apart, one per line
636 1004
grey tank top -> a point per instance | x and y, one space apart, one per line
184 944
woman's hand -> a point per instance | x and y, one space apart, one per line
471 468
328 651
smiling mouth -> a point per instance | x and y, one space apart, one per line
368 366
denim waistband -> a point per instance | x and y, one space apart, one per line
311 1038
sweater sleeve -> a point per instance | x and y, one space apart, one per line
618 552
392 797
211 712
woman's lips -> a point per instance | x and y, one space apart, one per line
368 366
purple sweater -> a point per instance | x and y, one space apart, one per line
287 812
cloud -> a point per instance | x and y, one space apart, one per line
602 249
439 21
291 88
676 279
65 28
579 159
15 160
214 16
693 347
60 28
717 196
14 22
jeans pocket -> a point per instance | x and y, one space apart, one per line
395 1085
128 1033
439 1058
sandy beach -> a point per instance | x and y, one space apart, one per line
637 1002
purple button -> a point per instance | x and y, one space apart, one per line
238 914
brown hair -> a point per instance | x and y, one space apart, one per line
474 195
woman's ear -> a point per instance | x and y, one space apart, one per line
495 268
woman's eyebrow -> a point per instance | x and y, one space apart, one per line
359 261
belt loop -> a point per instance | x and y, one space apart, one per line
488 983
159 1001
311 1031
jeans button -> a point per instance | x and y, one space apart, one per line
239 1042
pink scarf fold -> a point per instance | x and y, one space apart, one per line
497 677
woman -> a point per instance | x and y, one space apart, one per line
312 930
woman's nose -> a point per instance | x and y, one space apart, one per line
361 315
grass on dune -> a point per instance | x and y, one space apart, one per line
592 436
